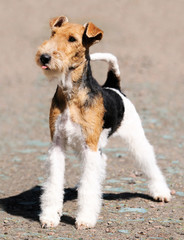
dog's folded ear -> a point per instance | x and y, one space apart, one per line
92 34
58 21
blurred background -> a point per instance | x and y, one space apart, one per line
148 39
146 36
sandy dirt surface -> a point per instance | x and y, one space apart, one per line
147 37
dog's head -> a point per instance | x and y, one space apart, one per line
67 47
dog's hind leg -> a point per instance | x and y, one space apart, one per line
52 197
89 193
132 132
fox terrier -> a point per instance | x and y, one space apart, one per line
84 115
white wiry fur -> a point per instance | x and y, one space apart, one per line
132 132
89 194
109 58
52 198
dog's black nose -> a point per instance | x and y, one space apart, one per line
45 58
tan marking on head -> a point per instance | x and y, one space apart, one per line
68 46
58 21
90 118
92 34
65 48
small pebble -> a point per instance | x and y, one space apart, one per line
173 192
166 225
158 227
131 181
107 230
136 236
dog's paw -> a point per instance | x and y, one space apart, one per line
85 223
49 220
160 191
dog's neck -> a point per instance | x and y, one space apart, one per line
74 79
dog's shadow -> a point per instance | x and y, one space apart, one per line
27 204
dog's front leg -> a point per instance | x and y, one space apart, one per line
53 190
89 193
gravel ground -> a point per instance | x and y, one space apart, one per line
147 37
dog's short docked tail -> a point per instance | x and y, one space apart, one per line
113 76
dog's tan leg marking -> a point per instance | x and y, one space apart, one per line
58 105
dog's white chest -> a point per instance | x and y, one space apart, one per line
69 131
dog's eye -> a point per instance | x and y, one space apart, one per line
72 39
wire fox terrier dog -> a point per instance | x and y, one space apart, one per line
84 115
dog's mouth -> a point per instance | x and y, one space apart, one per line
45 67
